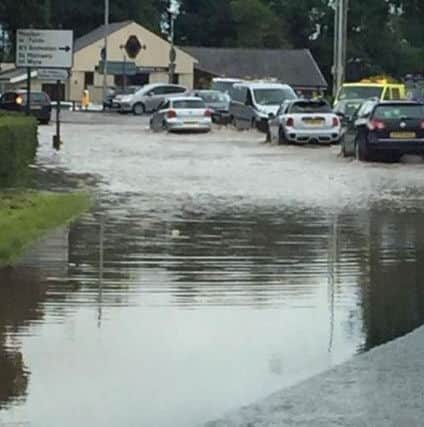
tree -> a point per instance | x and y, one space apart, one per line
257 25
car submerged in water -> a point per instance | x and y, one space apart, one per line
252 103
218 102
40 104
385 128
305 121
182 114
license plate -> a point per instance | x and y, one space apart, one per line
35 107
314 122
403 135
190 123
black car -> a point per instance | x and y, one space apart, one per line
385 127
40 104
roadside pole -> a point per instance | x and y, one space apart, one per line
340 43
28 92
105 57
56 138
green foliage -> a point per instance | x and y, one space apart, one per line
18 146
385 36
24 217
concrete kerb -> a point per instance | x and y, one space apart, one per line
383 387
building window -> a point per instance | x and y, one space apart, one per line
88 78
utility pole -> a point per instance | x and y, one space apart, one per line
173 11
340 43
105 54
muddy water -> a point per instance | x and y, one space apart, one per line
212 271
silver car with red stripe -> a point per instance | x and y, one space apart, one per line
305 122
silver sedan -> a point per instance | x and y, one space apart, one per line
303 122
182 114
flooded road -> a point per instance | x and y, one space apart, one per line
212 271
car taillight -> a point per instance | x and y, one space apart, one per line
422 124
336 122
171 114
208 113
376 125
290 122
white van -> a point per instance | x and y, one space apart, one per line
252 103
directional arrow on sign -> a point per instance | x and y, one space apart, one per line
66 48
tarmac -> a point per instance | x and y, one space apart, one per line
383 387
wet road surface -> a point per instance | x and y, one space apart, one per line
230 269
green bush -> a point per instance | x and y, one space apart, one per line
18 146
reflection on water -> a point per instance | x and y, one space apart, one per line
21 291
199 313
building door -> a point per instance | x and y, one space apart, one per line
54 91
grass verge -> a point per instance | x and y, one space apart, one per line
26 216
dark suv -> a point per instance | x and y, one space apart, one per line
40 104
386 127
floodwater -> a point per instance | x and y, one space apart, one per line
212 271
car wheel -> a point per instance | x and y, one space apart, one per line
139 109
281 136
361 150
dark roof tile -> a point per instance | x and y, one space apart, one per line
98 34
296 67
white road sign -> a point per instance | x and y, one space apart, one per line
44 48
52 74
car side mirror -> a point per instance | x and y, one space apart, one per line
271 116
150 94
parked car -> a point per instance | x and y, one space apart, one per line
182 114
147 99
385 127
305 121
252 103
367 89
218 102
40 104
113 93
224 84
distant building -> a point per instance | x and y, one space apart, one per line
134 54
296 67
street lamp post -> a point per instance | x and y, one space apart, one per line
173 11
340 43
124 69
105 54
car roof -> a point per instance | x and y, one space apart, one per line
399 102
207 91
264 85
229 80
154 85
370 84
185 98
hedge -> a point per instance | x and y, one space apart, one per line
18 147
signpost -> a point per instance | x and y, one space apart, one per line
52 74
45 49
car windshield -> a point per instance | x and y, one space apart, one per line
213 97
311 107
272 96
36 97
393 112
222 86
360 92
189 104
128 90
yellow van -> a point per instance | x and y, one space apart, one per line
366 89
